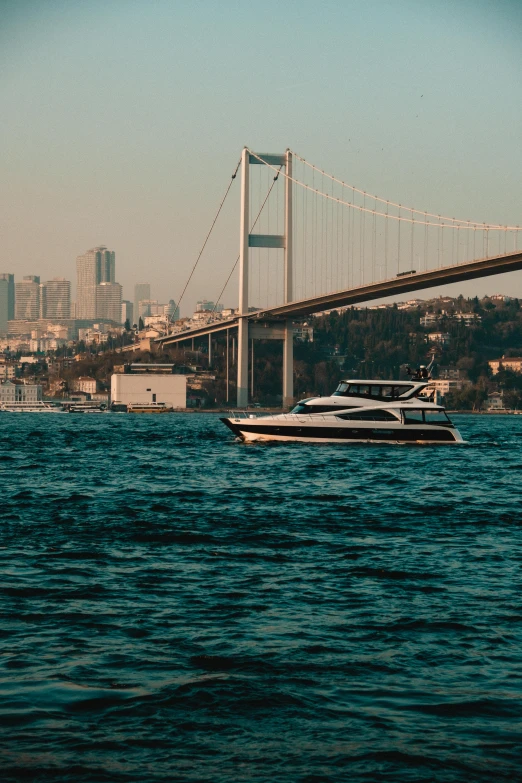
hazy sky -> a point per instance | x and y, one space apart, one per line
122 120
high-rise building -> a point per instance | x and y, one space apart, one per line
7 300
108 301
106 265
127 312
171 310
141 293
206 304
96 266
86 282
147 307
56 298
27 299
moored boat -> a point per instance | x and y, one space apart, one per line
38 406
148 407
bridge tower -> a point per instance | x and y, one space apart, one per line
248 240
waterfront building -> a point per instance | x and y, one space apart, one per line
108 301
96 266
149 384
444 385
141 293
27 299
495 401
20 392
127 312
514 364
7 299
56 298
86 384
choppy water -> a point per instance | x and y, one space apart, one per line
176 606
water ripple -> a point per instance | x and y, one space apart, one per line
176 606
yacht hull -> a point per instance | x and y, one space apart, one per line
262 430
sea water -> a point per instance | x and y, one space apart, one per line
177 606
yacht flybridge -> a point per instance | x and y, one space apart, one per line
359 411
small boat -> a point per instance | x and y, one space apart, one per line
358 411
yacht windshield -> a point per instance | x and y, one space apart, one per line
300 408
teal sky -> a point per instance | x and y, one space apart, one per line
122 121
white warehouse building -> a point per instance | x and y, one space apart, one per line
133 388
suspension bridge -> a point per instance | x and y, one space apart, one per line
310 242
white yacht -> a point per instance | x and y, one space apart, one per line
359 411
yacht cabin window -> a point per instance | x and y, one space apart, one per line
368 415
427 417
373 391
302 408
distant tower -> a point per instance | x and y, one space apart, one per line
172 310
96 266
56 298
7 300
27 299
141 293
108 301
127 312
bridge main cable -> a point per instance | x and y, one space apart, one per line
453 223
210 230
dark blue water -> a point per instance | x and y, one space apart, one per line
176 606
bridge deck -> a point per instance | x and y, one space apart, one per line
398 285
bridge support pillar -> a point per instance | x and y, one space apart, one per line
242 329
242 363
288 366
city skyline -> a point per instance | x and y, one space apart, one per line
101 297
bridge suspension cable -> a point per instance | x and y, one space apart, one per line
451 223
463 223
210 231
274 180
